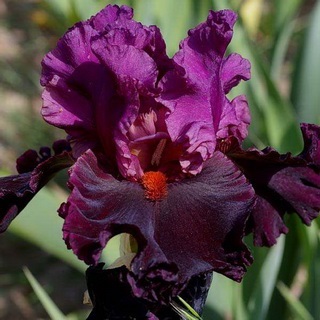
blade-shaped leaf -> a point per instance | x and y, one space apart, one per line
261 296
299 312
52 310
305 90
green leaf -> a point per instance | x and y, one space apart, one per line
299 312
186 312
47 303
239 308
280 51
311 263
305 91
284 11
220 296
261 297
60 6
189 308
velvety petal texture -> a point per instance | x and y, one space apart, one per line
18 190
283 183
198 227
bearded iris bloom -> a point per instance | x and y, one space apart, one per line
156 153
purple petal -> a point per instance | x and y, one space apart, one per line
195 91
197 291
61 106
283 183
266 221
72 50
234 69
86 78
117 25
18 190
126 60
128 163
235 119
208 214
197 228
113 16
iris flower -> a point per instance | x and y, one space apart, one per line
156 153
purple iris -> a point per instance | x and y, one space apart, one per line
156 149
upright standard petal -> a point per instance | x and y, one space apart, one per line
83 76
195 91
74 84
234 69
196 228
235 119
117 24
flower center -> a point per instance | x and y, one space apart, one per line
155 184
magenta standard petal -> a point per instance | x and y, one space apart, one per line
198 227
86 78
195 91
235 119
113 16
126 60
65 107
72 50
18 190
234 69
74 84
283 183
116 24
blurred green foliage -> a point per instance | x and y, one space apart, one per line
282 41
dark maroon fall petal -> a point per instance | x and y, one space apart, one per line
197 228
17 191
283 183
112 296
311 137
205 215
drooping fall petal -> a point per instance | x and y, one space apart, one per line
282 182
205 215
